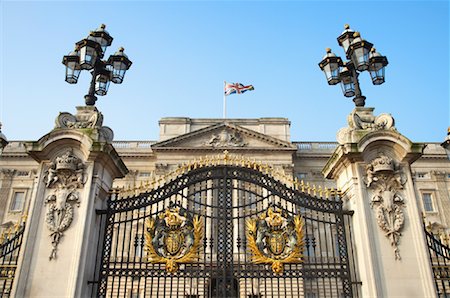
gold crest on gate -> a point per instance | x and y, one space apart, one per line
173 237
275 238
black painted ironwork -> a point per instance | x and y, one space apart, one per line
224 197
440 263
9 251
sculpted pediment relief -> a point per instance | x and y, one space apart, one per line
224 136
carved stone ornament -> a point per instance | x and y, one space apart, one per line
275 239
67 120
173 237
226 139
86 118
363 120
386 181
65 175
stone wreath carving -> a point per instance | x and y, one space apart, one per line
385 179
65 175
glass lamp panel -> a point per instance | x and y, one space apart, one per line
376 66
72 72
346 38
101 84
348 89
360 58
377 76
118 72
103 43
346 43
332 75
88 57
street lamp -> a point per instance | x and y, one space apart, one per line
361 57
446 144
88 55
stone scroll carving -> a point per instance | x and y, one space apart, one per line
64 176
362 121
386 181
87 118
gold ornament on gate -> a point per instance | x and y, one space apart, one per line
275 239
173 237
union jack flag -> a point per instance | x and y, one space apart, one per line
231 88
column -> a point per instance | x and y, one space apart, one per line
77 166
371 167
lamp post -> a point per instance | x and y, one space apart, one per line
88 55
446 143
361 57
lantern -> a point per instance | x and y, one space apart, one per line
73 69
102 80
377 64
358 51
118 64
331 65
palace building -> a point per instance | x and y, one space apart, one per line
224 208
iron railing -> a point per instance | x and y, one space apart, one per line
440 263
10 243
225 197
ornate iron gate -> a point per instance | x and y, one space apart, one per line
10 243
440 263
193 237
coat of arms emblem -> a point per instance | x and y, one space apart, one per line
173 237
275 238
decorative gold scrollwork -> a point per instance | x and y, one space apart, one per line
275 239
173 238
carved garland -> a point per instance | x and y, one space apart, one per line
385 179
64 176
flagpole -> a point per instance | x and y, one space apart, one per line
224 101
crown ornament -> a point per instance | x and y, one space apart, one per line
67 161
383 164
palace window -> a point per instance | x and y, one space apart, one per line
301 176
422 175
17 201
427 201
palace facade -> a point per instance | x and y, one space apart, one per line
223 208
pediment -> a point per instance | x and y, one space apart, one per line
224 136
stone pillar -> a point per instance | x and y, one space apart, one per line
372 168
77 166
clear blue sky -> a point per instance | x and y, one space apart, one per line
183 51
